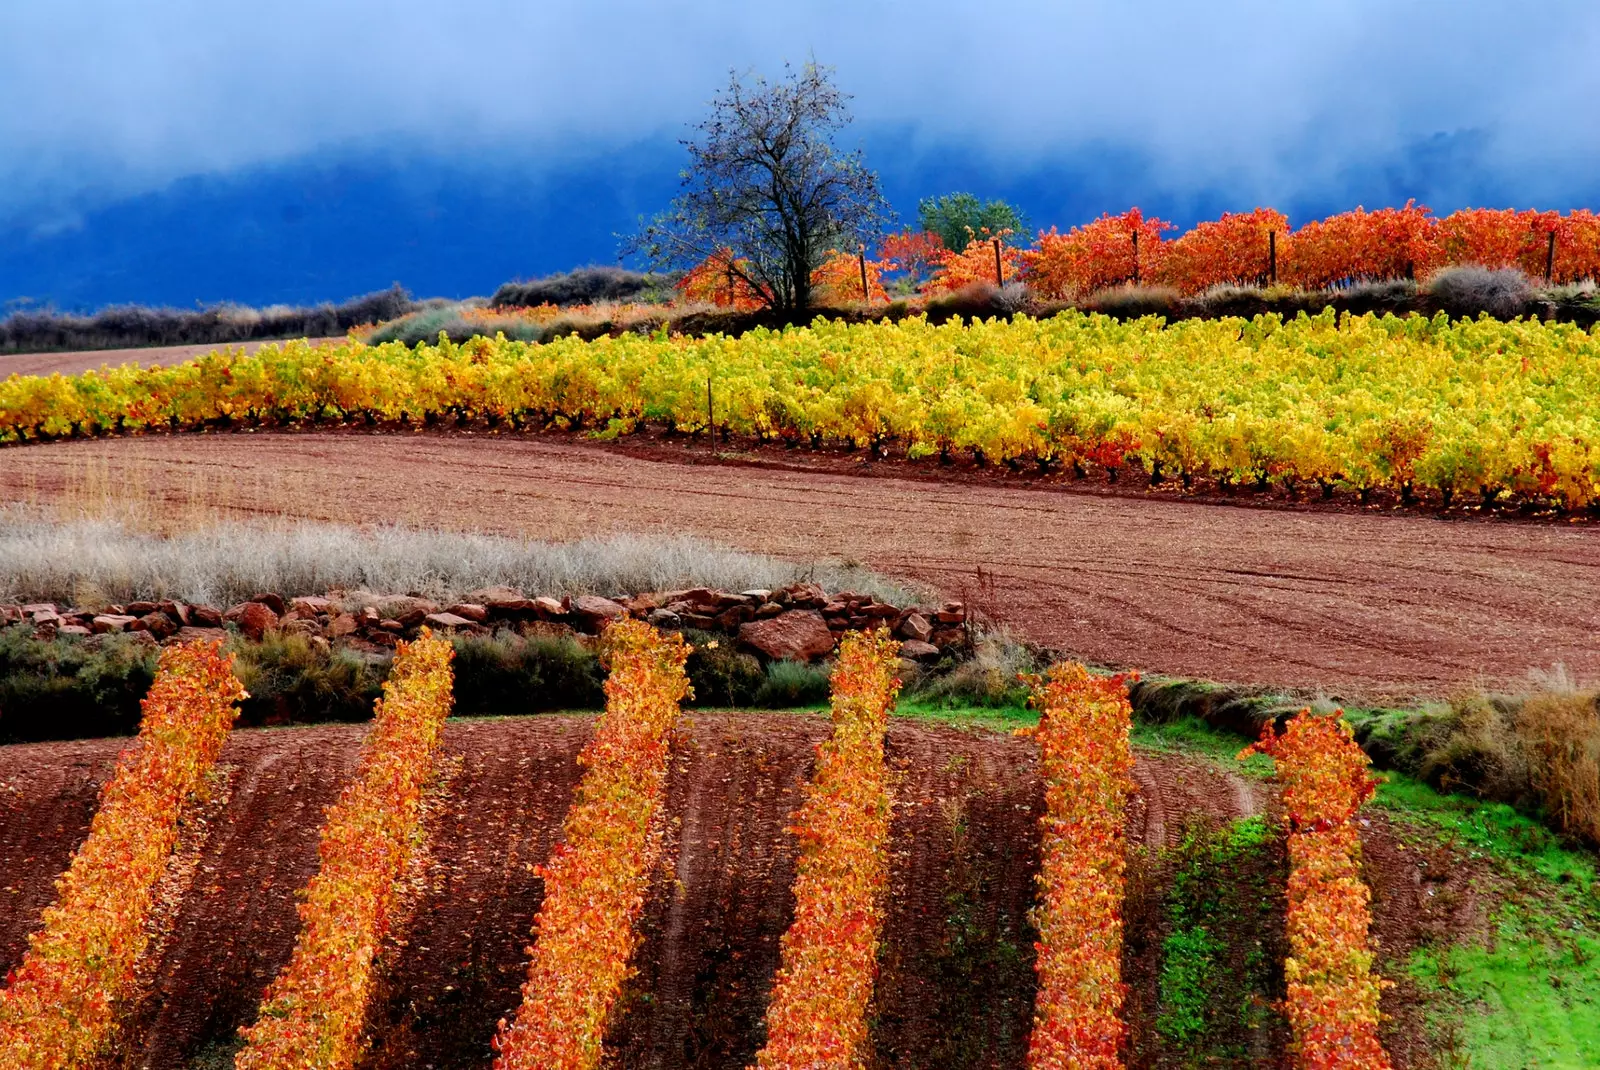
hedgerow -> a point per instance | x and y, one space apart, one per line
313 1011
1087 761
595 881
59 1007
817 1014
1333 992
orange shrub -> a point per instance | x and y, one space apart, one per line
1087 764
916 253
1508 238
1390 243
838 280
59 1007
716 280
816 1019
313 1011
975 264
1236 248
1333 993
596 880
1098 254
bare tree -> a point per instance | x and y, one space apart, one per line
766 182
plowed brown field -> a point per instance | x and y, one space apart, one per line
1357 603
956 985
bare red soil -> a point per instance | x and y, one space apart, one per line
956 984
1362 604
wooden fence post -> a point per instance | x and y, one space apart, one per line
711 417
866 294
1136 258
999 273
1550 258
1272 257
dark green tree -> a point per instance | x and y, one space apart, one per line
767 181
959 217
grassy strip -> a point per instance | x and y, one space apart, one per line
313 1012
1087 763
817 1014
596 881
60 1005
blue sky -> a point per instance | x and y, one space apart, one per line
175 151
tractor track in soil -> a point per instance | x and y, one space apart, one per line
956 983
1366 606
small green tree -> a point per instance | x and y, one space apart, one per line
952 215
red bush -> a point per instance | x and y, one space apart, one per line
1087 763
313 1011
1333 992
816 1019
60 1005
595 882
1110 251
1390 243
1236 249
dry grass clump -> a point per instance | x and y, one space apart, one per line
88 561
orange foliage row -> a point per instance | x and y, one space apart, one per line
838 280
716 280
816 1019
1333 992
313 1011
60 1005
1087 763
1107 252
1390 243
1234 249
976 264
595 882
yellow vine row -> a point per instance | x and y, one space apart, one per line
816 1019
59 1007
595 882
313 1012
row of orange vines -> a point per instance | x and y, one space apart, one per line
1333 992
1087 763
595 882
59 1007
816 1018
313 1012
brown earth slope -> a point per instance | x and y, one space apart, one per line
956 984
1375 605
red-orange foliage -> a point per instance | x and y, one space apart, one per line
838 280
917 253
816 1019
596 880
313 1011
1333 992
718 280
1509 238
59 1006
1097 255
1235 248
1390 243
1087 762
975 264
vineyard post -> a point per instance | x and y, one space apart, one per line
999 273
1136 258
1550 257
1272 257
711 418
861 259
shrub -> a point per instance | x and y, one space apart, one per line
1333 993
1087 762
1503 293
1560 733
313 1012
1133 302
990 678
68 688
507 673
584 286
817 1013
294 681
595 881
721 674
792 683
60 1005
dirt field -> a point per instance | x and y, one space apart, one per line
956 984
1363 605
90 359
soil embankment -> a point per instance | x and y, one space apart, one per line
1361 604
